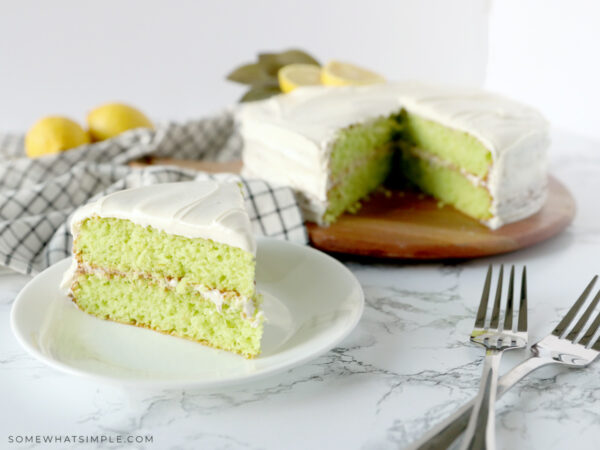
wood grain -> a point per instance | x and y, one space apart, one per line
206 166
413 226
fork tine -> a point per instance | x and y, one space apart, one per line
522 324
583 319
508 315
587 338
566 321
595 325
496 310
481 312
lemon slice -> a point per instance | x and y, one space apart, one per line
295 75
337 73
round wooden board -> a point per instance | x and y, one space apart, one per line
413 226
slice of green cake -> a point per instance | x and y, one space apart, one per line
178 258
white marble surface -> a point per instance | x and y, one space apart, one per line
406 366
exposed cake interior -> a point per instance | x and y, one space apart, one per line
121 245
459 148
193 288
448 164
177 311
360 161
451 165
442 180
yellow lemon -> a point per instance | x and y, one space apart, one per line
112 119
337 73
295 75
54 134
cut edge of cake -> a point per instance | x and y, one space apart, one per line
168 224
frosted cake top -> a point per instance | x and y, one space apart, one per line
308 118
194 209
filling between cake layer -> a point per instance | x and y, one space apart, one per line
442 180
180 312
246 305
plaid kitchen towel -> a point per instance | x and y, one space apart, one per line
37 196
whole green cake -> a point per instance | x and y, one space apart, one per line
480 152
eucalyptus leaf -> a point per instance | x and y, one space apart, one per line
269 63
295 56
253 74
262 75
267 83
260 93
272 62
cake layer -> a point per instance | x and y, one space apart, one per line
460 148
446 183
179 312
355 143
123 246
194 209
362 179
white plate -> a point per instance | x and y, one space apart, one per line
311 302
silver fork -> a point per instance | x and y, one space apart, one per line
575 349
496 339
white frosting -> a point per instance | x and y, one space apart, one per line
246 305
288 138
68 277
194 209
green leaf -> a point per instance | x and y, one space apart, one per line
264 72
253 74
260 93
295 56
269 62
272 62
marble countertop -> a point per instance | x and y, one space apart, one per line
407 365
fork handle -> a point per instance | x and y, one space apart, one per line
480 433
446 432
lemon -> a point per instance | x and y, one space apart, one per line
295 75
337 73
112 119
54 134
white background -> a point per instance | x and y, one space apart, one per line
170 58
547 53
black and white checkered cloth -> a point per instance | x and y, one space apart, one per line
37 196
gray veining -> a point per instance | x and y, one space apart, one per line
382 387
